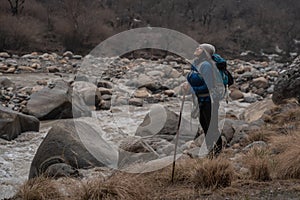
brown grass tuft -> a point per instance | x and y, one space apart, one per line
258 161
258 136
215 173
38 188
119 186
288 160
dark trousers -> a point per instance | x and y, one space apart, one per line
210 126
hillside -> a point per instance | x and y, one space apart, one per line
269 26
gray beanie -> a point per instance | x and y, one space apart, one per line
208 48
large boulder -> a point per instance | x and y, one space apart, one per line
86 97
162 122
13 123
288 84
73 142
51 102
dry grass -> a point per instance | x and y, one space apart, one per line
288 160
215 173
258 136
119 186
39 188
258 161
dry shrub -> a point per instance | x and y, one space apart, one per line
258 136
215 173
119 186
288 150
258 161
183 174
39 188
20 32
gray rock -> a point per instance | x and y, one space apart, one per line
51 103
4 55
260 82
288 84
161 122
136 101
71 142
61 170
256 144
13 123
6 83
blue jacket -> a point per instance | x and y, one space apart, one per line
197 82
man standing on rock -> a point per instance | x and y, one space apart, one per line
207 87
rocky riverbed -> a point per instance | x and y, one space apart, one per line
114 97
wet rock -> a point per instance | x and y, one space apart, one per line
68 142
51 103
13 123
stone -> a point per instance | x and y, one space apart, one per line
4 55
6 83
68 54
42 82
104 84
105 105
71 142
11 70
161 122
169 93
236 94
36 66
51 103
3 68
61 170
53 69
104 91
257 109
260 82
228 129
136 102
88 92
26 68
256 144
142 93
14 123
288 84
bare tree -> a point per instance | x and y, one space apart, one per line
16 6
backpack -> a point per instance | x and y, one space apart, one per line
221 64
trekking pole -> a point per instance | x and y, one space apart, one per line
177 134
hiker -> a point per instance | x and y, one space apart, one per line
207 88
